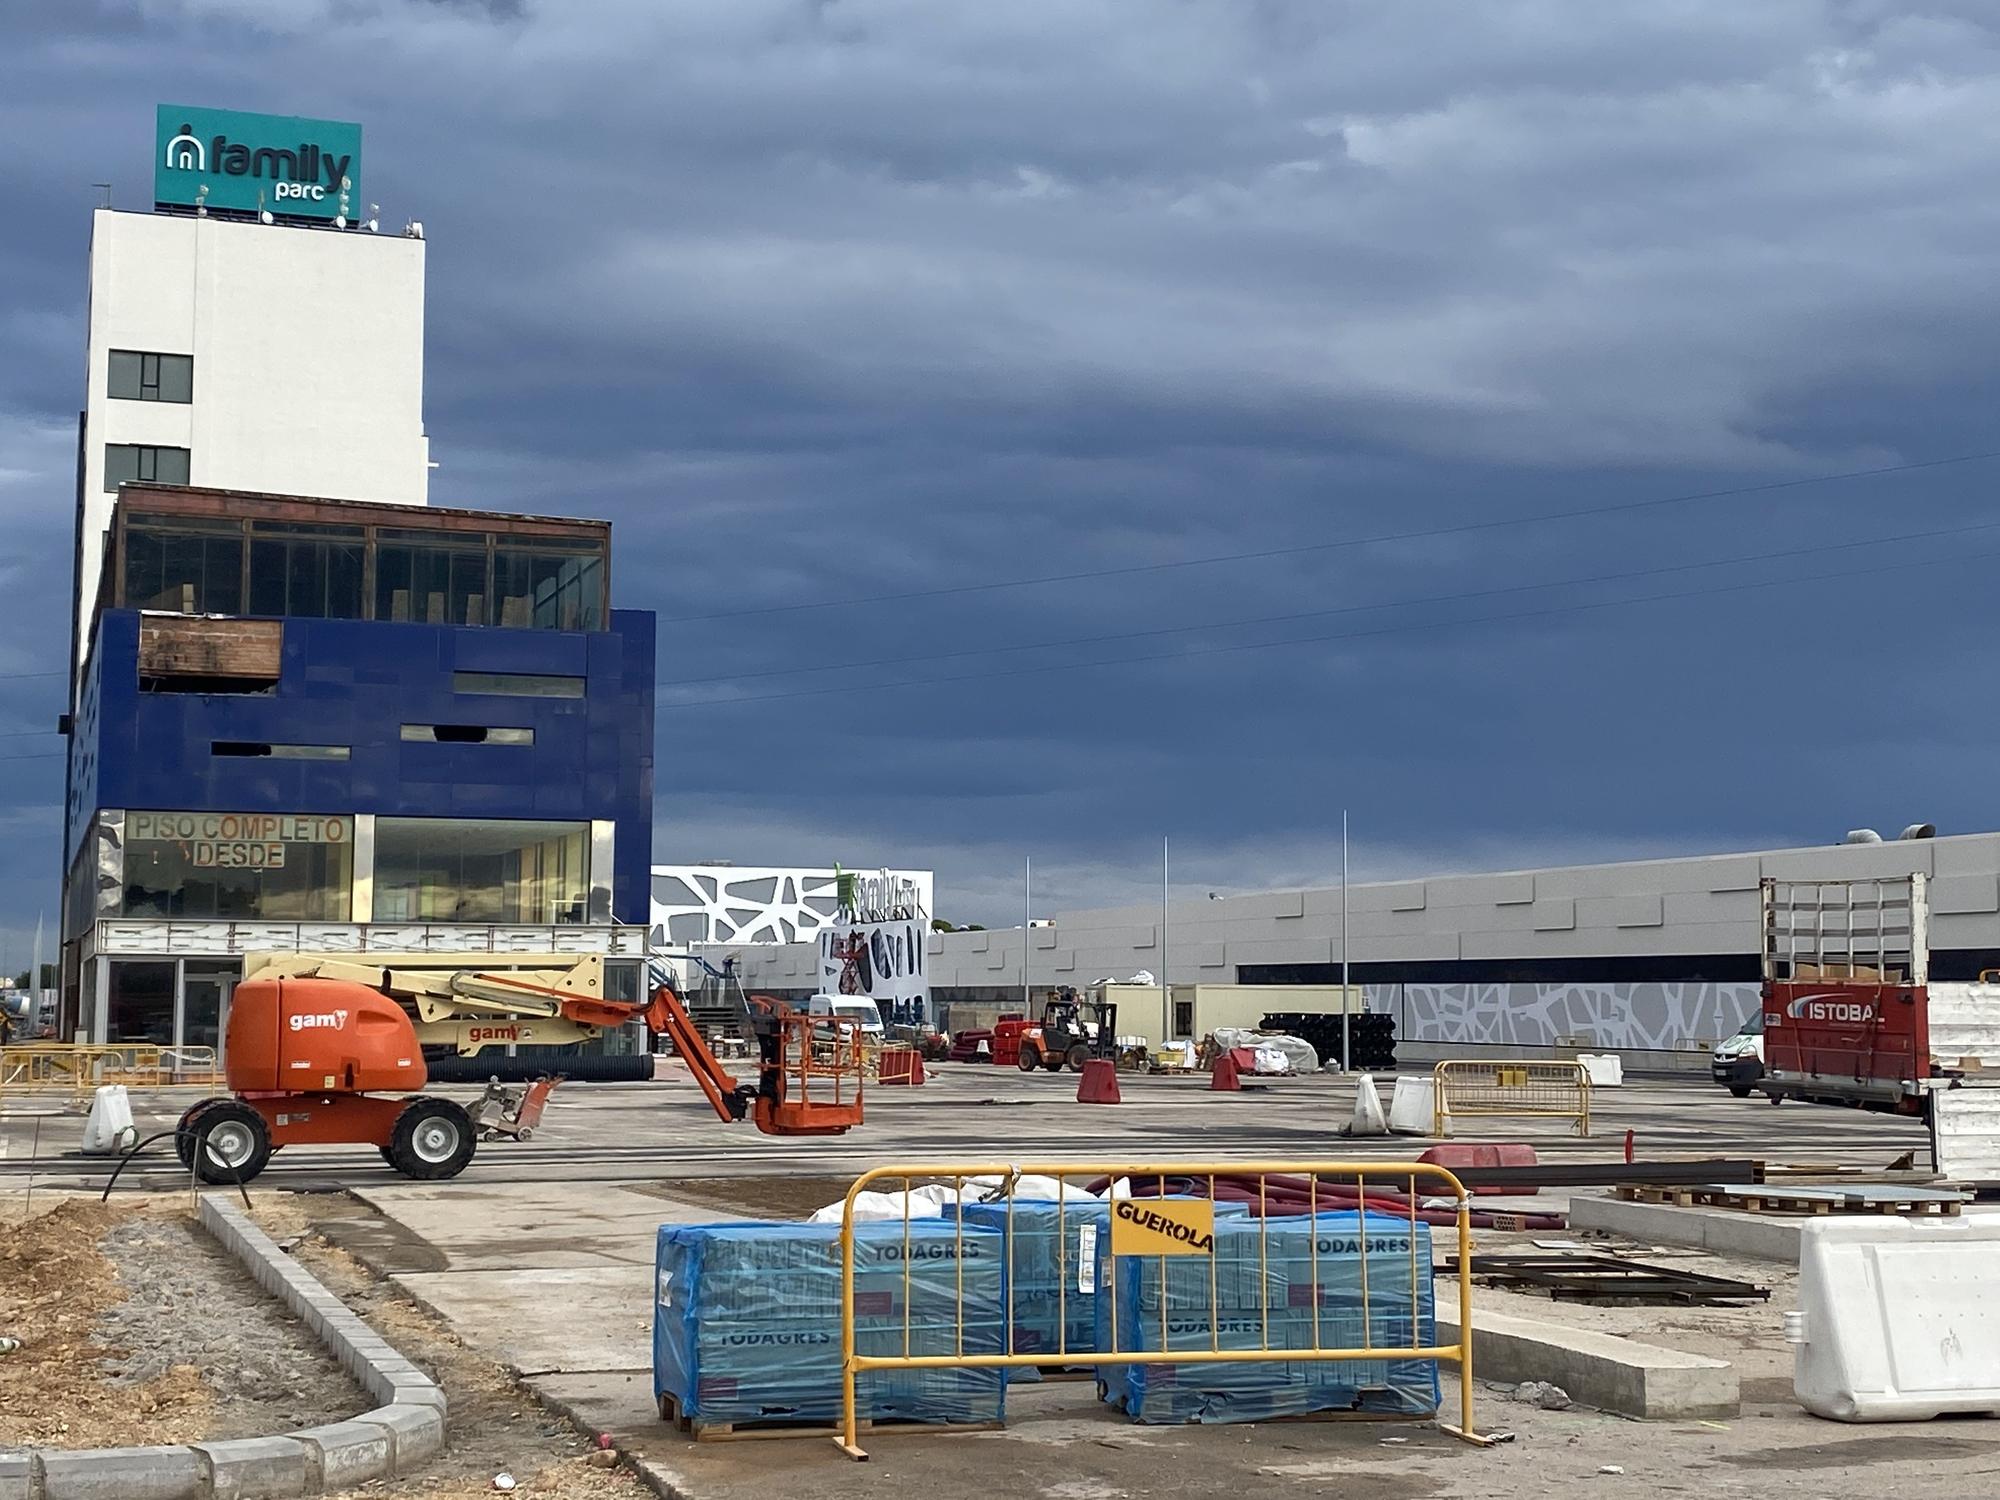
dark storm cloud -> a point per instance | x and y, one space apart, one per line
826 301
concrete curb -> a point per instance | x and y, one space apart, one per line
1597 1369
404 1430
1722 1230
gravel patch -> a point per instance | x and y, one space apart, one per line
188 1302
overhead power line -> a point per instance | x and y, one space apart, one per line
1311 640
1344 609
1461 529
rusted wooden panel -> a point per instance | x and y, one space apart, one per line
175 647
235 505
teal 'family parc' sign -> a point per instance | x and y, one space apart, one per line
229 159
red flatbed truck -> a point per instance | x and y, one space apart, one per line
1852 1016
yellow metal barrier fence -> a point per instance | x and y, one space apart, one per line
1167 1218
1531 1090
76 1069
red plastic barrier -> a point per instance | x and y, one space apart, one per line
1223 1079
1007 1034
1454 1155
900 1065
1099 1083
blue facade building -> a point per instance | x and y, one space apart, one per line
344 727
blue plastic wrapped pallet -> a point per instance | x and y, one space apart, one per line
1052 1271
1270 1264
746 1321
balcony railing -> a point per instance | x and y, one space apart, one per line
193 939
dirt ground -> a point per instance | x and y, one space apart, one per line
763 1197
266 1370
85 1288
134 1328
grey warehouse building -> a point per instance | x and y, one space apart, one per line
1655 957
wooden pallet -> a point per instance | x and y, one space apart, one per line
784 1427
1775 1200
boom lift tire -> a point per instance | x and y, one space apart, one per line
1079 1054
1029 1058
231 1142
433 1139
184 1132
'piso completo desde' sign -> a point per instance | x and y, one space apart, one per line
229 159
234 841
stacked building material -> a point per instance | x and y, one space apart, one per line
746 1321
1371 1037
1260 1294
1052 1270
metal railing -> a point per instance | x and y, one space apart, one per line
76 1069
1171 1218
1518 1090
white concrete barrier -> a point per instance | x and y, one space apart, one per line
1606 1069
109 1129
1413 1106
1899 1319
1368 1117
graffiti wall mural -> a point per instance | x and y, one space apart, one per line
1662 1017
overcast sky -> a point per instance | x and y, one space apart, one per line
890 306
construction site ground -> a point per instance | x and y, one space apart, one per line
137 1328
539 1260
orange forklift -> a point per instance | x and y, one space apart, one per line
328 1051
1066 1037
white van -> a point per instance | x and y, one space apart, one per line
1738 1063
865 1013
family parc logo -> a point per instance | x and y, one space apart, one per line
231 160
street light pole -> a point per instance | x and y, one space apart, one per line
1346 1051
1166 994
1027 930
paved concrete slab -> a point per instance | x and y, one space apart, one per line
1062 1444
663 1130
536 1320
508 1225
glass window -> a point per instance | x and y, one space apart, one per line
549 583
206 985
260 749
467 734
129 463
275 866
517 684
308 572
436 578
184 564
459 870
141 1007
134 376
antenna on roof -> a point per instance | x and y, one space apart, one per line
105 189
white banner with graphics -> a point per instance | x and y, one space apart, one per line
877 948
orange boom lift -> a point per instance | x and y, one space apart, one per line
327 1051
